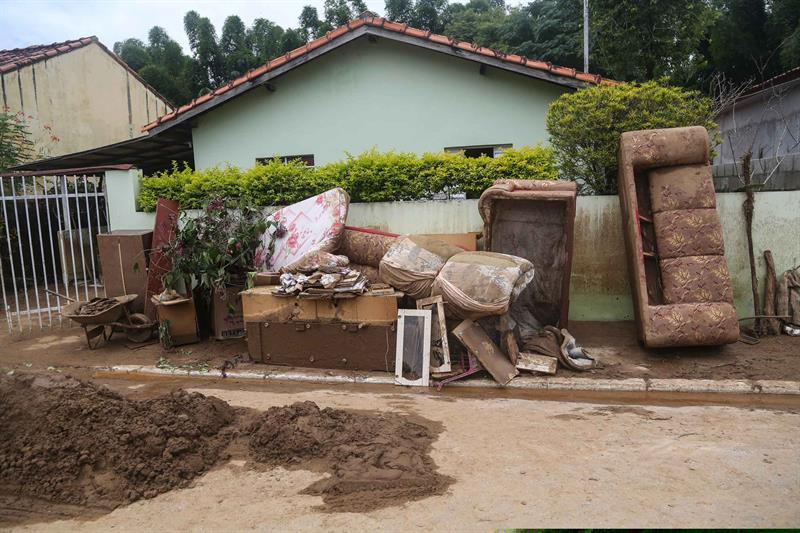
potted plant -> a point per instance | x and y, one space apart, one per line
212 254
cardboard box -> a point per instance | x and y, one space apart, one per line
260 305
182 318
124 258
227 319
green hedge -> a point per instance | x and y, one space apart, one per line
369 177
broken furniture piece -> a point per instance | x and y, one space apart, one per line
123 261
478 343
412 360
681 285
440 348
535 220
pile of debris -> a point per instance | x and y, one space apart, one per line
503 315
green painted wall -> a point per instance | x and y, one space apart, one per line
387 95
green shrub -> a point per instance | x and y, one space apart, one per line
369 177
585 126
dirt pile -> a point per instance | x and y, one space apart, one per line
72 442
374 460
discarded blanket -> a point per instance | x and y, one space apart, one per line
412 263
478 284
788 297
313 225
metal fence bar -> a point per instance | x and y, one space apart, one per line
44 258
80 238
11 260
98 180
68 227
21 258
33 259
6 307
91 238
52 248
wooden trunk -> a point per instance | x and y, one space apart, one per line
317 345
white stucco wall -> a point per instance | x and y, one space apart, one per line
384 95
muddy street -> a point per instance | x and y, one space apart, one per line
508 462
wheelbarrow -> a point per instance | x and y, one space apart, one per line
136 326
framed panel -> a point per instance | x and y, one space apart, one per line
413 356
440 348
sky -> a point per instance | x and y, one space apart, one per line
28 22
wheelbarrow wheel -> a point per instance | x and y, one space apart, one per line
142 330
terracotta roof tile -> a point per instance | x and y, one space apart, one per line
19 57
378 22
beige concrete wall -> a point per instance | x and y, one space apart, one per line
85 98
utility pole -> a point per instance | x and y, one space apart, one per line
586 35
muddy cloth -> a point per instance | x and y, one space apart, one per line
788 297
66 441
412 263
370 272
375 460
478 284
559 343
365 246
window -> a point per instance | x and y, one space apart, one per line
486 150
308 159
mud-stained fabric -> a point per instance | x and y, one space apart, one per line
478 284
682 187
313 261
313 225
412 263
364 246
697 278
695 324
688 232
370 272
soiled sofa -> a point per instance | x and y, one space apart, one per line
676 256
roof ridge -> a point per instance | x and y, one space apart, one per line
15 58
396 27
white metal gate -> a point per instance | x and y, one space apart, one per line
48 245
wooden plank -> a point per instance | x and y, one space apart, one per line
534 362
481 346
440 346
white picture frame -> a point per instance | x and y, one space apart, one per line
419 352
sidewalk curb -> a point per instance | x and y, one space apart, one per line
522 382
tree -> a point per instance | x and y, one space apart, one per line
265 39
133 52
585 126
310 23
431 15
207 70
400 11
741 47
16 146
784 25
234 48
548 30
479 22
637 40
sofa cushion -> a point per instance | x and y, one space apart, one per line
695 324
688 232
696 278
681 187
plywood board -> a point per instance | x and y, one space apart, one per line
475 339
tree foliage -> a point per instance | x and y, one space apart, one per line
16 146
585 126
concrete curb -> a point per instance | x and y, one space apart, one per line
521 382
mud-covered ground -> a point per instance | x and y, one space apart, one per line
613 343
79 445
511 462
